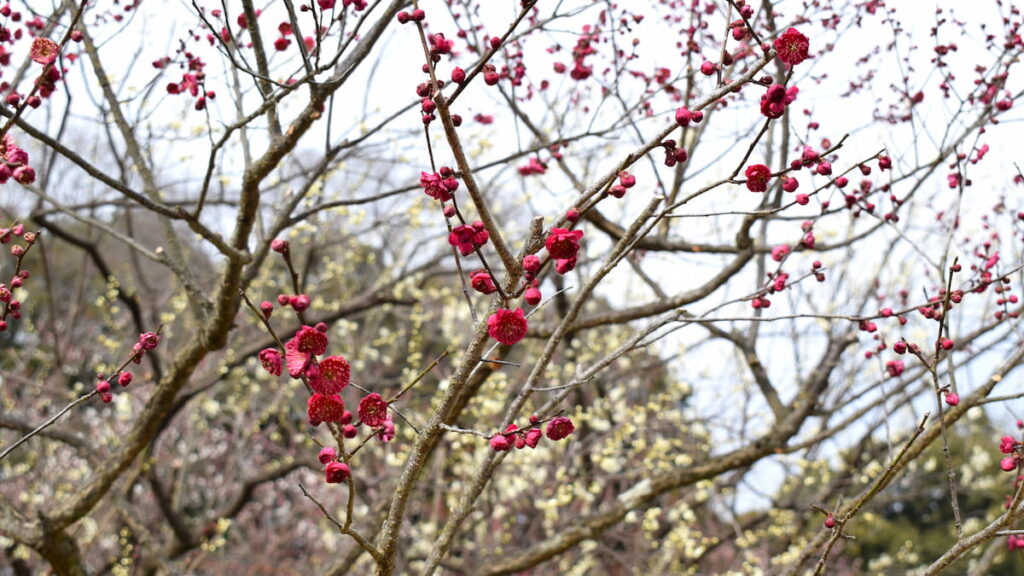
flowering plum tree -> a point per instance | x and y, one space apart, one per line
521 287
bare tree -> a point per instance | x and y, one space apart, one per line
547 288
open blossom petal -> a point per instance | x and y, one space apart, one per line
438 187
271 360
311 341
333 377
44 50
792 47
325 408
507 326
387 430
559 428
336 472
563 244
296 360
373 410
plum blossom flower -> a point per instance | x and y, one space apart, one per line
387 430
533 437
44 51
563 244
149 340
559 427
332 376
757 177
270 358
467 238
500 443
1006 444
324 408
437 186
775 100
482 282
327 455
337 472
373 410
894 367
533 166
531 264
564 266
300 350
792 47
507 326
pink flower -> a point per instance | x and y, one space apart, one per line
531 264
467 238
507 326
24 174
327 455
299 302
894 367
298 351
559 427
337 472
324 408
952 398
499 443
1008 464
565 266
683 116
124 379
270 358
533 166
482 282
563 244
438 187
780 252
533 436
14 155
387 430
440 44
775 100
1006 444
373 410
149 340
333 375
757 177
532 296
792 47
44 51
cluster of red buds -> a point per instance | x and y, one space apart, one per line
147 341
11 305
1010 446
558 428
14 162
